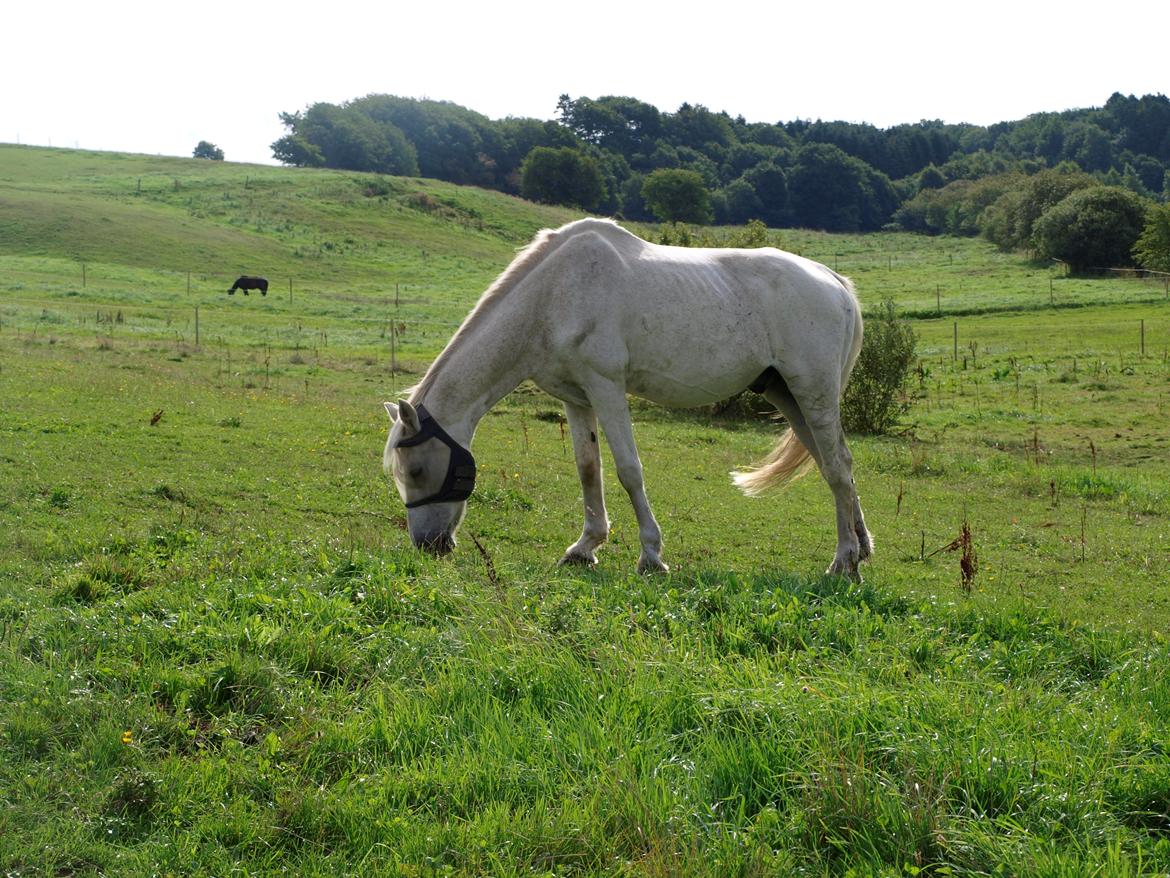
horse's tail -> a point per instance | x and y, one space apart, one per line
790 459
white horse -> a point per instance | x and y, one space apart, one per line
590 313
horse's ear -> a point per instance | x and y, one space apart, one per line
409 418
392 411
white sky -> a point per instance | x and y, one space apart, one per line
158 77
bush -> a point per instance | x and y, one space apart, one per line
676 195
875 394
1010 222
750 236
1092 228
1152 249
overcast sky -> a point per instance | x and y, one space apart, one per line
158 77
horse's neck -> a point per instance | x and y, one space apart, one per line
479 368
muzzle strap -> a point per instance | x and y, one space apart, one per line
459 482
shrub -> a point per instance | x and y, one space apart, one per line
875 394
1092 228
677 195
754 234
1010 222
1152 249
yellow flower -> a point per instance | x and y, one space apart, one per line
127 737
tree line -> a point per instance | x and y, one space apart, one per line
624 157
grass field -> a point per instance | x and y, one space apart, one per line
219 654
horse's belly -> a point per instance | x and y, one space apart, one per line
710 361
686 388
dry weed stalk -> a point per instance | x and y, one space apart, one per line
493 577
968 560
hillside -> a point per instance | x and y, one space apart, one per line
218 219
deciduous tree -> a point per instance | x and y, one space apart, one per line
677 195
1152 250
1092 228
207 150
562 176
341 137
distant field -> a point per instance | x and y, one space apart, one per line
218 653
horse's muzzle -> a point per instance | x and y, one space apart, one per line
437 544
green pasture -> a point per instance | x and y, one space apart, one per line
219 654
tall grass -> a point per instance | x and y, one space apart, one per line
219 654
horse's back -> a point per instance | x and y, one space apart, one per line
688 326
685 326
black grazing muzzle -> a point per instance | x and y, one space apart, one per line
460 479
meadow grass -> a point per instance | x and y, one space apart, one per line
218 652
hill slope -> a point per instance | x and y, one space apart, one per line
218 219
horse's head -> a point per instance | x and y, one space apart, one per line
434 475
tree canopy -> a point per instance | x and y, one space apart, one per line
207 150
1152 249
562 176
1092 228
676 195
927 176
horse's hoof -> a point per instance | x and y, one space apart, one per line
648 567
844 571
578 559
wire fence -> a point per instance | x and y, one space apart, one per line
415 320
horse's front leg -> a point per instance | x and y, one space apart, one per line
613 409
583 428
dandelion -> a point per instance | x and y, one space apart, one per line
127 737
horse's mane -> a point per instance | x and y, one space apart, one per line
526 260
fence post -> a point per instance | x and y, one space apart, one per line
1143 332
955 355
196 326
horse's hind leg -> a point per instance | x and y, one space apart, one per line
780 396
811 405
583 428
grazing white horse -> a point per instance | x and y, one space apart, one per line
590 313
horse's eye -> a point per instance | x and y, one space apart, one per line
416 473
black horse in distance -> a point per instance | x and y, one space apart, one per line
246 282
